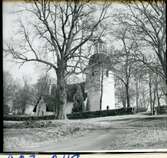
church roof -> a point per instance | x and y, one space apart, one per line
99 58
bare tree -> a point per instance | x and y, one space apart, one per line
10 87
22 98
61 29
125 66
120 92
101 84
41 88
148 20
78 100
147 24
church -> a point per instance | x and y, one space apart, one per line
98 87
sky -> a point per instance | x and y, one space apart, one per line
30 71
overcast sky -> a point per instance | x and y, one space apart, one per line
29 70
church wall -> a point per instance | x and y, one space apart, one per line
92 88
94 100
108 98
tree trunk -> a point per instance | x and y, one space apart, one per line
61 93
23 111
123 96
150 94
166 92
154 93
101 88
127 96
157 92
158 98
165 67
137 95
123 102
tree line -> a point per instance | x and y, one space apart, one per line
17 97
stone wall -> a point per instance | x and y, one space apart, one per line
92 88
108 98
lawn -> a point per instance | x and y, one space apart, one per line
107 133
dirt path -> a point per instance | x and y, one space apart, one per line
92 140
95 140
116 135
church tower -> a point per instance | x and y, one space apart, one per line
99 81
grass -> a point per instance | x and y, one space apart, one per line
109 133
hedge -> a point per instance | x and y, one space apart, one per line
161 110
27 118
76 115
102 113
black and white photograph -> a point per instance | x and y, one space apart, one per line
84 76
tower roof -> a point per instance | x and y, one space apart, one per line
99 58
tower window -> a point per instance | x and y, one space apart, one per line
93 73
